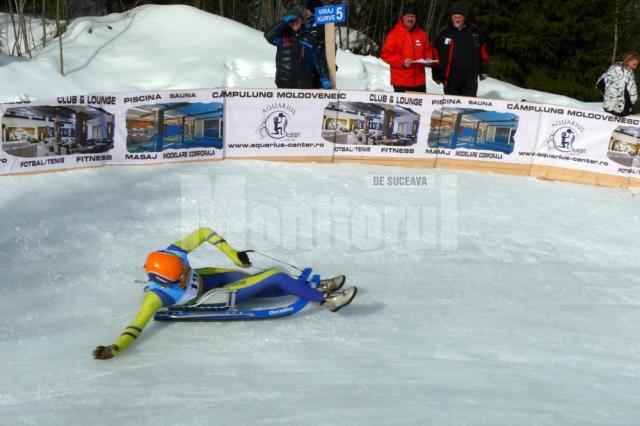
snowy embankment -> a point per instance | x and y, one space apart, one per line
180 47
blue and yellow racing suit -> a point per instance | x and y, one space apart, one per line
195 282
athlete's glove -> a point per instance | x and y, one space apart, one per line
244 258
326 83
105 352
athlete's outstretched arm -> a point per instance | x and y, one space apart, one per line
198 237
151 303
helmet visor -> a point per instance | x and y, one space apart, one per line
163 281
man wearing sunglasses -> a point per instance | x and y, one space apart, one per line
172 282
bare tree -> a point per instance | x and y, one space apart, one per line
347 23
22 25
15 50
269 12
44 24
58 29
30 24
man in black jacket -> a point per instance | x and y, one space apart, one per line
462 52
317 33
296 58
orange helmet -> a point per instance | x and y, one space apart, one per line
164 268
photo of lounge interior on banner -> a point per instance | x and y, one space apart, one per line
359 123
157 127
472 128
624 146
41 131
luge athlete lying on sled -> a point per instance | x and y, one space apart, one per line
172 282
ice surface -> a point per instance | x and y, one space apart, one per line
512 301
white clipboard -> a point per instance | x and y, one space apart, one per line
425 61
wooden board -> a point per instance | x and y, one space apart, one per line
427 163
71 169
579 176
484 166
330 51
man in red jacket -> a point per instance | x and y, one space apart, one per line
405 44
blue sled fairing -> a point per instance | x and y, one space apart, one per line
211 313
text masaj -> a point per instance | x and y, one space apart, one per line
174 155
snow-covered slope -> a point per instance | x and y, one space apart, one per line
181 47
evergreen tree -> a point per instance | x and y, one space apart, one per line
559 47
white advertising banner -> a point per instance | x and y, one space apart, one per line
589 141
277 123
170 126
484 130
380 125
62 133
4 158
209 124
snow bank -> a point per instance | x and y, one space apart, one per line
181 47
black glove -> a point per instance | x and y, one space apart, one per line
105 352
244 258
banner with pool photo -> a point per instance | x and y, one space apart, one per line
178 125
483 133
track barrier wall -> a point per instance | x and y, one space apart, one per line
413 130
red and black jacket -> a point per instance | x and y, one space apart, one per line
462 53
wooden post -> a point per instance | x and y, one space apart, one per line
330 51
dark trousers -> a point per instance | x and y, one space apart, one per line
401 89
462 87
316 82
